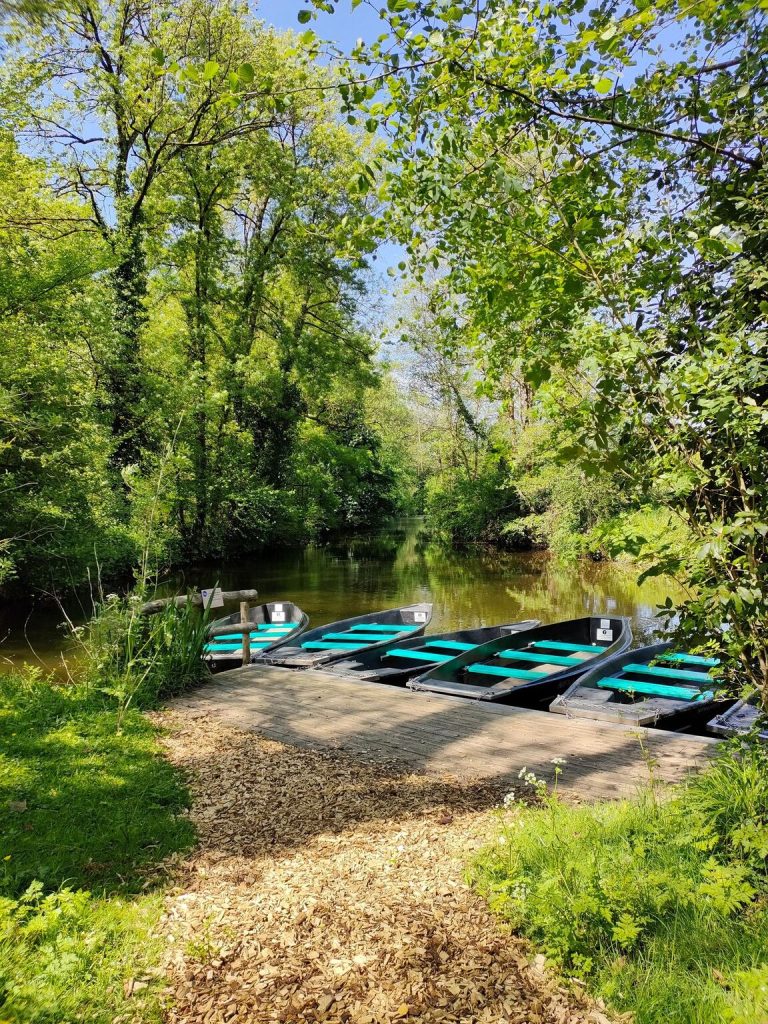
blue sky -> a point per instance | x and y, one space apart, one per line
343 27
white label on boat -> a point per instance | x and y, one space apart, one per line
278 616
212 598
605 623
605 634
419 616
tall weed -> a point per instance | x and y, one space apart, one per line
138 659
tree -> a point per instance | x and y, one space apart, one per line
595 180
118 92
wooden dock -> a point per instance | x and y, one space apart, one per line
440 734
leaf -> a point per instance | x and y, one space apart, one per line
608 33
246 73
210 70
304 17
157 55
743 91
603 85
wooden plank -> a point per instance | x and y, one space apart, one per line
437 733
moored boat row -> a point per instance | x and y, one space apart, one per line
581 668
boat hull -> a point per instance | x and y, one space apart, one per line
592 696
329 643
268 625
493 671
742 719
380 666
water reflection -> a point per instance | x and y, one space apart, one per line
399 565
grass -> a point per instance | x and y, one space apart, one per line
87 815
659 905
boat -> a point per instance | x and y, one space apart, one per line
334 641
642 687
271 625
744 718
529 666
397 660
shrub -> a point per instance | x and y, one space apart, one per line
140 659
660 904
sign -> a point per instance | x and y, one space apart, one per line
605 634
419 616
212 598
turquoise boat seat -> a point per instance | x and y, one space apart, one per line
370 637
690 659
557 645
417 655
667 673
262 632
236 646
370 627
449 645
652 689
321 645
507 673
540 659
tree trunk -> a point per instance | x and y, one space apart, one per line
123 370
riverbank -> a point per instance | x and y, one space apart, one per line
174 868
91 818
323 886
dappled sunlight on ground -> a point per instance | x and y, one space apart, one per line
330 887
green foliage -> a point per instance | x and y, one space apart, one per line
67 955
474 509
89 812
589 237
137 659
178 295
658 902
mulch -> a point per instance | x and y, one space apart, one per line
328 887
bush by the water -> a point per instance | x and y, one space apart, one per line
88 812
659 903
137 659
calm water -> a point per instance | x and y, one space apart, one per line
393 566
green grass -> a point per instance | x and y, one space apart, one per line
87 815
659 905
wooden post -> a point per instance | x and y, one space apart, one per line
246 633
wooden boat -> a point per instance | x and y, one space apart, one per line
270 626
529 666
397 660
333 642
742 719
641 687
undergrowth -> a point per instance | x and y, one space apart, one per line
88 812
138 659
659 904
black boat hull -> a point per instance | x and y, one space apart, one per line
413 619
380 667
544 677
273 613
585 699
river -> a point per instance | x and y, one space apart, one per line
398 564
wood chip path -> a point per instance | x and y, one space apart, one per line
336 818
329 886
